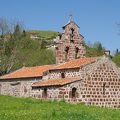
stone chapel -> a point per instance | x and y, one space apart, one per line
74 77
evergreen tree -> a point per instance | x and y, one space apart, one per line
117 52
17 32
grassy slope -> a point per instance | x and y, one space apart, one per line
30 53
43 33
30 109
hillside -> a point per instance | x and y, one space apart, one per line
12 108
43 34
33 53
18 50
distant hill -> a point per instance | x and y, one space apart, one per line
31 52
43 34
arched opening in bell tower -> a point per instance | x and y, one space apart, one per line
71 35
76 53
66 53
71 31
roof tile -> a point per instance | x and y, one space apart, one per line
55 82
26 72
75 63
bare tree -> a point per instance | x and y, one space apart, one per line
3 26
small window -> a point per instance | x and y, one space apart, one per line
71 39
76 53
71 35
66 53
62 75
104 88
45 92
71 31
73 92
60 36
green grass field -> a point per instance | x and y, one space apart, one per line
12 108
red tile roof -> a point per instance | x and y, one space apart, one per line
55 82
75 63
27 72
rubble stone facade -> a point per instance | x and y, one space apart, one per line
17 87
70 44
100 85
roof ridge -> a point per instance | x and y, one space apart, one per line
38 66
69 23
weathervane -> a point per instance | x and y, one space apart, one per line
70 17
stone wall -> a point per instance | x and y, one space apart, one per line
100 85
59 92
17 87
70 44
69 73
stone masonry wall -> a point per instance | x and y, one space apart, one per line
17 87
69 73
101 85
59 92
70 44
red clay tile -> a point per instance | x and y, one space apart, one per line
55 82
27 72
75 63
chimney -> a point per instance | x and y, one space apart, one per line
107 52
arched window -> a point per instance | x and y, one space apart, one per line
76 53
71 31
66 53
71 35
62 75
73 92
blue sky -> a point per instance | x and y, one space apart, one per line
97 18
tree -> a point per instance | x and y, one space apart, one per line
117 52
24 33
3 26
95 49
43 44
8 45
17 32
116 59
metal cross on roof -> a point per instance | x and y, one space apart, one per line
70 17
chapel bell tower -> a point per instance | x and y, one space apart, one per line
69 44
